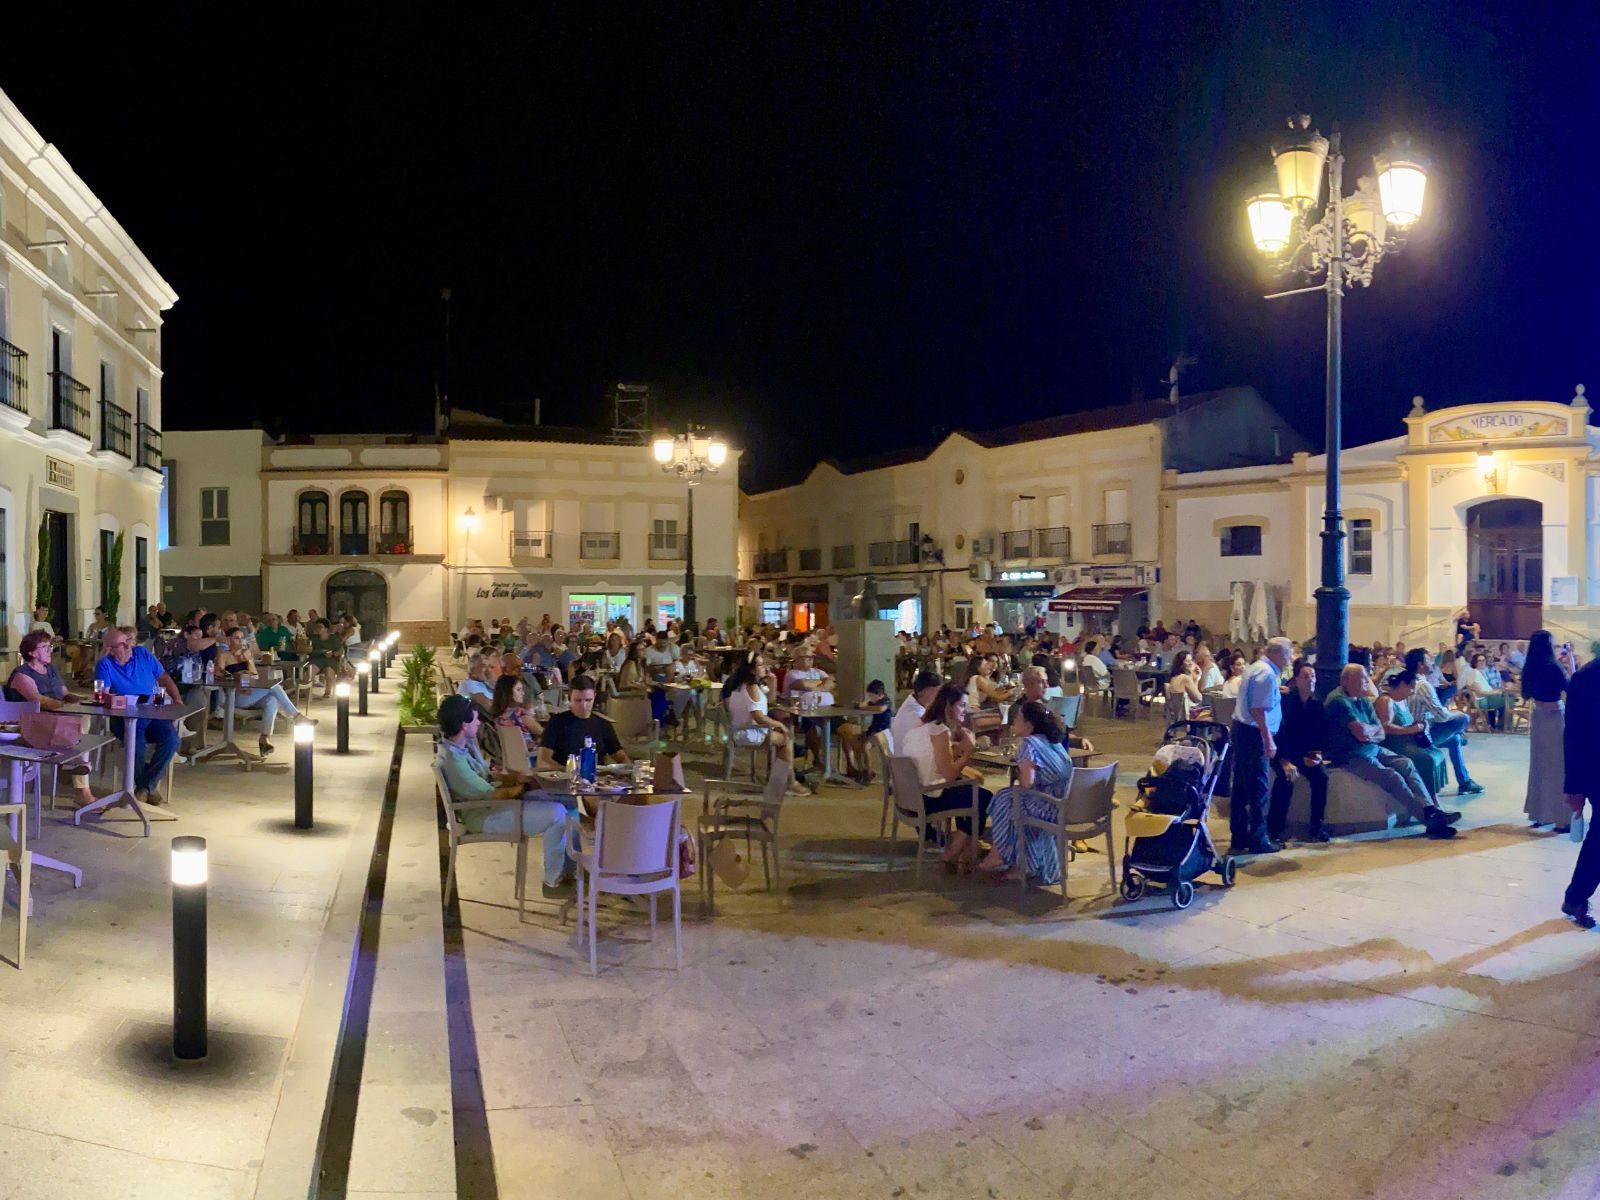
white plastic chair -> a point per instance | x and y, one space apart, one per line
909 806
459 835
882 753
636 728
19 859
634 853
1084 813
747 810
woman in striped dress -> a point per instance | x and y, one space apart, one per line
1044 770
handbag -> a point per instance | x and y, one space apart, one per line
50 731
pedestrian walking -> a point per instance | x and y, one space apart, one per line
1253 738
1544 682
1581 782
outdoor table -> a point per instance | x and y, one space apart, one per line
1008 760
17 758
133 747
230 689
827 715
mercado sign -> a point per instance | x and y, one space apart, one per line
1498 425
509 590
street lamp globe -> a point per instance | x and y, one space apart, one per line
1402 181
1299 162
661 447
1270 222
717 454
469 519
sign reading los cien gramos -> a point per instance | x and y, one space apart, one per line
1493 426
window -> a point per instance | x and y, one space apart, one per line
1360 547
596 608
664 535
141 577
963 616
311 523
1241 541
394 521
214 516
353 523
774 612
213 585
108 545
5 587
669 607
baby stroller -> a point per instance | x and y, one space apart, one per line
1168 842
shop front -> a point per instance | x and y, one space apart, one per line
900 601
1103 610
1019 600
809 606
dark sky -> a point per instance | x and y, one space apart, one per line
829 233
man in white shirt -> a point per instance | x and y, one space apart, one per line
910 713
806 676
1210 674
1091 664
1255 725
661 656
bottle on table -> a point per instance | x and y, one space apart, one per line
589 761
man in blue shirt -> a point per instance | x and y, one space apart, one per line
131 670
1255 726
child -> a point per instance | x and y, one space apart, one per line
854 740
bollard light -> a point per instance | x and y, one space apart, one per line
362 671
189 947
393 641
341 703
304 732
376 672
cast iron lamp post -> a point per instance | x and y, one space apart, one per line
1345 243
692 456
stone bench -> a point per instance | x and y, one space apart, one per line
1354 806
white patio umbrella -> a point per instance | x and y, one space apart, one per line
1236 618
1259 624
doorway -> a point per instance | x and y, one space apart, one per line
363 594
1505 567
58 569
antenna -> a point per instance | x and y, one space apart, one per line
1178 364
630 414
441 373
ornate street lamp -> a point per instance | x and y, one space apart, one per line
691 455
1347 242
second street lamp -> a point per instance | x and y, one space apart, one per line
691 455
1347 242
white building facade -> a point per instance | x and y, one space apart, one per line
80 396
1490 507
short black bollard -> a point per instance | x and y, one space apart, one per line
375 670
304 732
362 671
341 705
189 947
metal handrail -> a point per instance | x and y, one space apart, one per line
13 377
116 429
149 445
69 405
600 544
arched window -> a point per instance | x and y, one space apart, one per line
394 523
353 523
311 523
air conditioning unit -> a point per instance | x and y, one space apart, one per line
985 570
982 546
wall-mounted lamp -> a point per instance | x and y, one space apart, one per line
1487 468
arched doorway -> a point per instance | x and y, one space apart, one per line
1505 567
362 593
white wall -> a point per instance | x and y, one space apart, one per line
229 458
1202 573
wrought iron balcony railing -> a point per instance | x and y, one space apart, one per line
531 543
69 404
116 429
13 377
149 444
1113 539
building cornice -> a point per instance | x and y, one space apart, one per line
44 279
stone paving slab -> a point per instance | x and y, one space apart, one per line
1384 1017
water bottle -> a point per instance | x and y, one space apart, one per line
588 762
211 672
1577 829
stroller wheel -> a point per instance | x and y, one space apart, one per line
1226 868
1133 885
1183 895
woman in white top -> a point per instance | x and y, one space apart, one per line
984 696
941 746
747 710
1236 666
1184 685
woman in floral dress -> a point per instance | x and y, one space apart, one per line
1044 770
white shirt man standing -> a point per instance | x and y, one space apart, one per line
1255 726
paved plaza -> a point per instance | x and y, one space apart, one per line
1382 1017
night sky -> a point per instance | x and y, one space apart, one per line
827 233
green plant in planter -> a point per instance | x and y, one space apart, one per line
113 580
419 705
43 592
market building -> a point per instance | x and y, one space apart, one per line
1056 521
1490 507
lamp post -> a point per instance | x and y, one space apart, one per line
304 732
341 706
691 455
469 522
1345 244
189 875
363 669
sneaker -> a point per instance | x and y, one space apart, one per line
1435 815
265 747
1319 835
1470 788
1578 914
565 890
1439 831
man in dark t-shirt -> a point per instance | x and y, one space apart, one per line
564 732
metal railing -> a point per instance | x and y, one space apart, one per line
844 558
13 377
1113 539
670 546
310 542
116 429
772 562
811 560
396 541
355 542
607 545
1055 542
531 543
69 404
892 554
149 445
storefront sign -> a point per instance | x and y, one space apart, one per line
58 474
1023 576
510 590
1497 426
1023 592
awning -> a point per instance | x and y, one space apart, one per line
1094 599
1019 591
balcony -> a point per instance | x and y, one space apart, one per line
116 429
69 405
844 558
13 378
772 562
600 546
309 542
396 541
811 560
893 554
668 547
1036 543
531 543
149 446
1113 539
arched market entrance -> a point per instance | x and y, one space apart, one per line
1505 567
